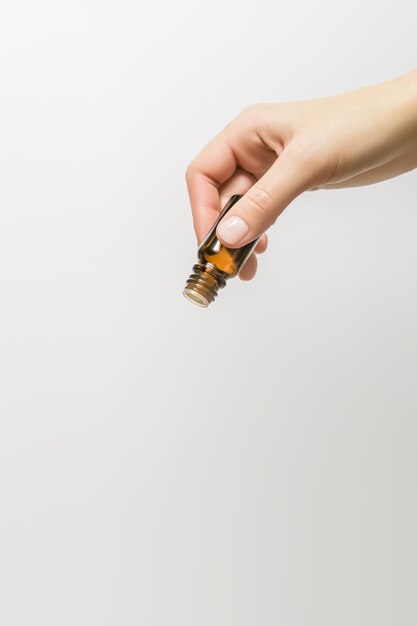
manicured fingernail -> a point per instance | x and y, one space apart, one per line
232 229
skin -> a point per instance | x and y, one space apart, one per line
274 152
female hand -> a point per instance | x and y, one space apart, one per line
274 152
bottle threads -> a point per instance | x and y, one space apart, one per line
203 284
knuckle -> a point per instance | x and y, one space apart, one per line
261 201
250 109
189 172
248 116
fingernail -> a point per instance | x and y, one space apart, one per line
232 229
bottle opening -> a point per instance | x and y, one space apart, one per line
195 297
203 284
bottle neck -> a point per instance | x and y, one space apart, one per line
204 283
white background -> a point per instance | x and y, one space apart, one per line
160 464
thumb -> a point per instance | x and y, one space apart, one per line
259 208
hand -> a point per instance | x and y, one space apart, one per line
274 152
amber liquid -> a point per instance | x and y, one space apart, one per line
216 264
227 260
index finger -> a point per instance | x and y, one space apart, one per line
213 166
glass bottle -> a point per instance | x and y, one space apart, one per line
216 264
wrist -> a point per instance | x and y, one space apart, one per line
401 94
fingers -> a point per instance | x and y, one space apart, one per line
238 145
238 183
213 166
231 163
264 201
214 195
248 271
262 244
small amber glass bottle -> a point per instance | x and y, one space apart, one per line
216 264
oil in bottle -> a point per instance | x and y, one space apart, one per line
216 263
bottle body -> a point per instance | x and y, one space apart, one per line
216 263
